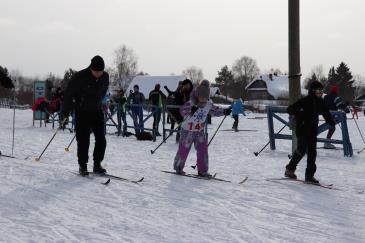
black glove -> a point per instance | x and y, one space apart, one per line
227 111
194 108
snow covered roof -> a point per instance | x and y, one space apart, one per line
360 97
277 85
147 83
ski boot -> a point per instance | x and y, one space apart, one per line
83 170
98 169
329 146
204 174
290 174
311 179
180 172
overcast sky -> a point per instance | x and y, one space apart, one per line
42 36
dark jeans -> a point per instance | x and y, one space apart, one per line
331 131
156 117
235 123
121 116
306 144
137 115
87 122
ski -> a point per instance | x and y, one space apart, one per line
327 186
239 130
90 178
118 177
335 148
7 156
244 180
360 150
213 177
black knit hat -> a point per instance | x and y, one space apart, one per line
314 86
97 63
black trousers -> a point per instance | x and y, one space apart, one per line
87 122
306 145
235 123
156 118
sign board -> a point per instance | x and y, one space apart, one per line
39 91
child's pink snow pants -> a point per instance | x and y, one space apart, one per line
201 145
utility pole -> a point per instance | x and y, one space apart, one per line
294 57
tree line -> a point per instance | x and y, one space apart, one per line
231 81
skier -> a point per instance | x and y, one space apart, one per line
334 103
87 88
237 108
157 99
121 100
305 112
195 114
136 99
354 110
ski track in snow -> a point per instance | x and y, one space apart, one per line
44 202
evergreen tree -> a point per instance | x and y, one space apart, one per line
224 79
342 78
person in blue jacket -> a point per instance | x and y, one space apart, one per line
136 101
237 108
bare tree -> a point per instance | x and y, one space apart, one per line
245 69
318 71
193 73
126 64
359 85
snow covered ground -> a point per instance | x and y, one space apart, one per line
44 202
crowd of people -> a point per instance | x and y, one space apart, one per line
188 107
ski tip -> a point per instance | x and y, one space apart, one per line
137 182
244 180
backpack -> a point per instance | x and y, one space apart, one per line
144 136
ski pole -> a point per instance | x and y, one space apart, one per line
12 145
153 151
177 127
359 131
54 135
257 153
217 130
68 147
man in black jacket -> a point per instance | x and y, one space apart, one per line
87 89
157 99
306 111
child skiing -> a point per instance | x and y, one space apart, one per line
306 111
195 114
237 108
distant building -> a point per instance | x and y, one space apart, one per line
360 100
268 89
